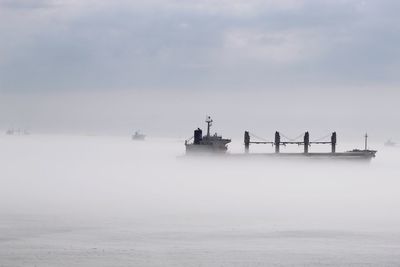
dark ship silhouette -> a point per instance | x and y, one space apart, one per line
17 132
208 142
138 136
217 144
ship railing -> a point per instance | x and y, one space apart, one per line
188 141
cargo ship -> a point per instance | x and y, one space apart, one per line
214 144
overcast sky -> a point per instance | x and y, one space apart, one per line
60 47
92 44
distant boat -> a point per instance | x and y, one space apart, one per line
17 132
138 136
390 143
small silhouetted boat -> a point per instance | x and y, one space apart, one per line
138 136
390 143
17 132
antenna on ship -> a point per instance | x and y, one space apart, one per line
366 141
209 123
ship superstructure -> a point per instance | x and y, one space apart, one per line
208 142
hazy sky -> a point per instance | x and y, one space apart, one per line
178 47
68 44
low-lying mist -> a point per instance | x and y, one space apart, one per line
93 177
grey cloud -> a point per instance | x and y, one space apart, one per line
26 4
134 46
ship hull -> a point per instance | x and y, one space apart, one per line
362 155
195 149
340 155
138 138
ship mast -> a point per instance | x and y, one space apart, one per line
366 141
209 123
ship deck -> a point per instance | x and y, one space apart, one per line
350 155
